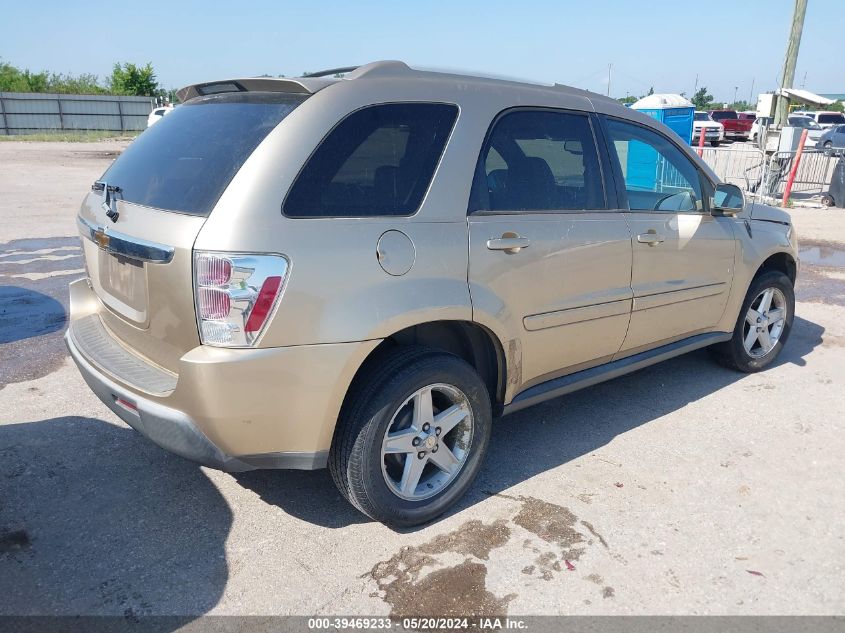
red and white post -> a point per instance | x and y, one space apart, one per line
788 189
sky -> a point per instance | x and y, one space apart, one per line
665 44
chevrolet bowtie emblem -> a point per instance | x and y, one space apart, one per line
101 239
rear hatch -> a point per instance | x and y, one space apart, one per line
141 219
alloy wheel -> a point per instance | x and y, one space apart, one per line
764 322
427 442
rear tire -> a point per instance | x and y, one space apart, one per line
390 458
762 328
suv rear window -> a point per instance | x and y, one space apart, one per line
378 161
832 118
185 161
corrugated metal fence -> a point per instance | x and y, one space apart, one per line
28 112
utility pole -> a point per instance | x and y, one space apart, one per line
609 73
751 94
735 89
695 89
788 77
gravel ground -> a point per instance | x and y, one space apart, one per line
682 489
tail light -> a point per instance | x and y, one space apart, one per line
236 295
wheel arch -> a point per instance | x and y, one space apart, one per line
781 262
472 342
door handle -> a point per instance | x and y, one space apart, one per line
651 237
509 242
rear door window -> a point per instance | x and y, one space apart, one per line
539 160
185 161
378 161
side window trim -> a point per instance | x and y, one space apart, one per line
479 194
611 171
707 186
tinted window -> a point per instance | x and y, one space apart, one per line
539 161
377 161
702 116
185 161
721 116
831 118
658 176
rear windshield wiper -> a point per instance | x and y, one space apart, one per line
99 185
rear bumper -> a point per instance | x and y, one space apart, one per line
171 429
230 409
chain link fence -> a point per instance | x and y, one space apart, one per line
763 175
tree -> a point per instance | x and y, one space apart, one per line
740 106
15 80
628 99
650 91
129 79
702 100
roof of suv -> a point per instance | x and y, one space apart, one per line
313 82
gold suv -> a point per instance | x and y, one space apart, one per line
362 272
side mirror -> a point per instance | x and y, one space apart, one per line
727 200
573 147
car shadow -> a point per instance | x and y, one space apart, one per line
558 431
96 520
543 437
307 495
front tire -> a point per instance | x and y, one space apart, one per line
412 436
763 325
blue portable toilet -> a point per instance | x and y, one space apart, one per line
644 170
674 111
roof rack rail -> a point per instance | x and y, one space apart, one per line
331 71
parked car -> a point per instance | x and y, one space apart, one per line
157 114
824 119
833 138
760 124
814 130
714 133
311 272
795 120
736 128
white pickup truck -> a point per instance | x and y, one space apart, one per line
714 132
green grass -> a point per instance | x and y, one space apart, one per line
70 136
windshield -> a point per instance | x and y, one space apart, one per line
185 161
805 122
702 116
